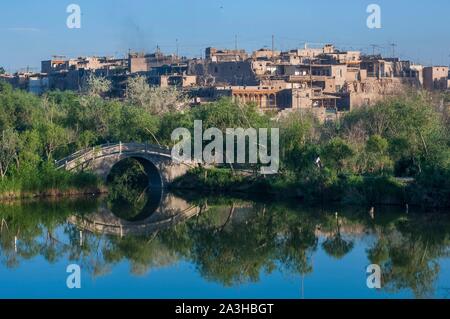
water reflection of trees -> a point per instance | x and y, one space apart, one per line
336 245
234 242
409 253
28 230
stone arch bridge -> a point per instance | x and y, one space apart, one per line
160 167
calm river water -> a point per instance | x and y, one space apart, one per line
182 246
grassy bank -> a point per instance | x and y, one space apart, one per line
46 181
426 192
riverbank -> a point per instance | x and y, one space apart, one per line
339 189
46 181
53 193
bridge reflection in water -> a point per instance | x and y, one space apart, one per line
167 212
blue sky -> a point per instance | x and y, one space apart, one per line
31 31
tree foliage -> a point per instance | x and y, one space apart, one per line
154 100
406 136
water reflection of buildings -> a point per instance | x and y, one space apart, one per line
356 231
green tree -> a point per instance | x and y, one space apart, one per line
298 141
9 148
53 137
413 126
96 86
376 154
155 100
336 154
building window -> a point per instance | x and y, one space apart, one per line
272 100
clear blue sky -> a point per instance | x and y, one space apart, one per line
31 30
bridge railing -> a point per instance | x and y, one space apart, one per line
109 149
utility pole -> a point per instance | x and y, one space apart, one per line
393 45
176 41
157 54
236 55
374 46
273 47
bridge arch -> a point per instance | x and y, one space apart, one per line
154 188
155 180
157 161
